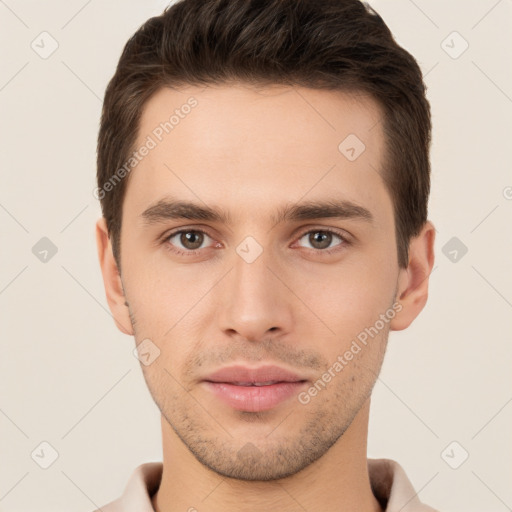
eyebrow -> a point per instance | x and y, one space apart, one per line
168 209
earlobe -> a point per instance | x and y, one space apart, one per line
112 279
413 281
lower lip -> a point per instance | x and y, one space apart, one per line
255 398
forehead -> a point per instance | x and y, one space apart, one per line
224 116
257 146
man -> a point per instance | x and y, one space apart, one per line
263 171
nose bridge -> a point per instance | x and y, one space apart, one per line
251 274
253 301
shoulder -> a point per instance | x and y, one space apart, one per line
392 487
136 497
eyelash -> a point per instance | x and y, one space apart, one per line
344 241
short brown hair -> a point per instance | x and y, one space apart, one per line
331 44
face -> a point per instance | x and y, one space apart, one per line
259 258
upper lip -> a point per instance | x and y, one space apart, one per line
244 374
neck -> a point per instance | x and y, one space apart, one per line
338 481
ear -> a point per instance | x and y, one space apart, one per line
413 281
112 279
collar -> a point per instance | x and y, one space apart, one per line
388 481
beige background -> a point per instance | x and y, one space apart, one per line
69 378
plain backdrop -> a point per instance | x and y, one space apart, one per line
70 379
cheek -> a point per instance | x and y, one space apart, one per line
161 294
350 297
351 306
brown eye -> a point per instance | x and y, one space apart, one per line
191 239
321 239
187 240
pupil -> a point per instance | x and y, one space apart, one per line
322 241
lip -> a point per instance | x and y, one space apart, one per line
254 389
240 373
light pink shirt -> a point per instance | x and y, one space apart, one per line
389 482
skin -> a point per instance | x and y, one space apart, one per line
250 152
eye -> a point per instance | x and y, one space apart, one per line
188 240
321 239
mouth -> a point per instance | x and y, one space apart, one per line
269 383
254 389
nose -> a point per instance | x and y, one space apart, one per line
253 302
